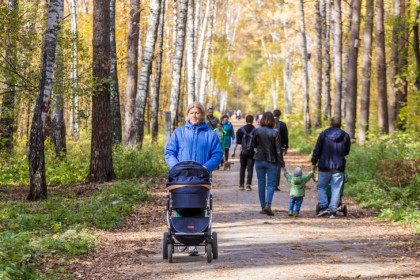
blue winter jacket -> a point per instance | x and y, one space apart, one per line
230 134
194 142
332 146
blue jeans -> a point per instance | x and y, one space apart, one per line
266 174
298 201
336 181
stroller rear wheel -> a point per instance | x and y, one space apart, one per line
208 251
170 252
165 246
345 210
214 245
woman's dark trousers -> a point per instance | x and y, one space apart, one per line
247 162
226 154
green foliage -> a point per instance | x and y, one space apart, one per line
298 140
60 225
385 174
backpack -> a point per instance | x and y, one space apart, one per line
247 148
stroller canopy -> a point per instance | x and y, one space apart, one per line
189 173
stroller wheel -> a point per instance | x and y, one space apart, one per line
214 245
208 251
170 252
165 246
345 210
317 209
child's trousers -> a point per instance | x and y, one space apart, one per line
295 200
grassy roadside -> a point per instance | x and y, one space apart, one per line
384 174
66 224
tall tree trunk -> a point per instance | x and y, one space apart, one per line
101 168
7 114
416 44
351 97
38 184
366 73
74 114
337 58
398 88
190 52
318 83
199 53
347 46
115 94
203 78
197 18
381 67
287 80
58 126
137 124
306 118
327 60
132 66
156 96
177 61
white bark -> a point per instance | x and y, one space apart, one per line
337 50
326 15
190 52
203 78
287 80
74 112
307 121
177 62
199 59
137 125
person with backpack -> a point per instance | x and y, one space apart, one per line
268 156
246 157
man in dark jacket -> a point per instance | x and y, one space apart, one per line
211 120
332 146
281 127
246 156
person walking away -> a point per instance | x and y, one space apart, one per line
281 127
332 146
221 133
267 156
297 189
230 135
244 137
194 141
211 120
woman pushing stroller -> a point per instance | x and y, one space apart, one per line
197 142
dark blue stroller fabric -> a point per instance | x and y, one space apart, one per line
189 184
190 225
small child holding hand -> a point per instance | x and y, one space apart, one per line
297 189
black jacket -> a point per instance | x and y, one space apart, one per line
284 134
267 143
332 146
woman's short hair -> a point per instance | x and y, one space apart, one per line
198 105
224 116
268 120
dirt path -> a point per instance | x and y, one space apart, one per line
255 246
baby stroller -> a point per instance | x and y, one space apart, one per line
340 207
189 192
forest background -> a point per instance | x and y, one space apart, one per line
94 78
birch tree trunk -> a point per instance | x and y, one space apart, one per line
416 44
74 112
381 67
351 97
197 18
199 53
38 184
306 118
337 58
101 169
346 52
132 66
177 61
366 73
203 78
398 88
190 52
327 60
115 94
7 114
58 126
156 95
137 125
318 84
175 20
287 80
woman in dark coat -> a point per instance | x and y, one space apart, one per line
267 156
